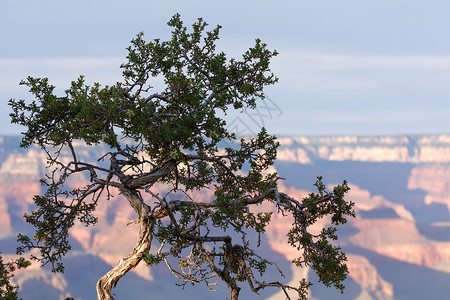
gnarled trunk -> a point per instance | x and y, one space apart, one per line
110 279
235 293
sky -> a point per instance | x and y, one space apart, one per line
347 67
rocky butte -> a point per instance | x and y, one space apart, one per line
398 246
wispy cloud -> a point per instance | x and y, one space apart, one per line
343 93
301 69
330 61
310 71
60 71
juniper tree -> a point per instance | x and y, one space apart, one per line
7 289
174 137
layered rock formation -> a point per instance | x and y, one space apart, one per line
405 149
400 237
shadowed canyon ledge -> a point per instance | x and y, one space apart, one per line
405 225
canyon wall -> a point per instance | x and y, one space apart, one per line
398 245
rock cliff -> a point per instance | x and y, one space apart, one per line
405 149
399 227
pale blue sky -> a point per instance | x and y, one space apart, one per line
345 67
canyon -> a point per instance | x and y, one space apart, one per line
398 246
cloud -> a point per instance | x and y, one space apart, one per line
309 71
331 61
343 93
304 70
60 70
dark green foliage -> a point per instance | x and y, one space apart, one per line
7 290
325 258
172 137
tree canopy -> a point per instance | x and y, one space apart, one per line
9 291
175 137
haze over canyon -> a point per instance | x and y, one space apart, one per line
398 246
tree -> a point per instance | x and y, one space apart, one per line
8 291
173 137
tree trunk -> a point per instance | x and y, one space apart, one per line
225 274
235 293
110 279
